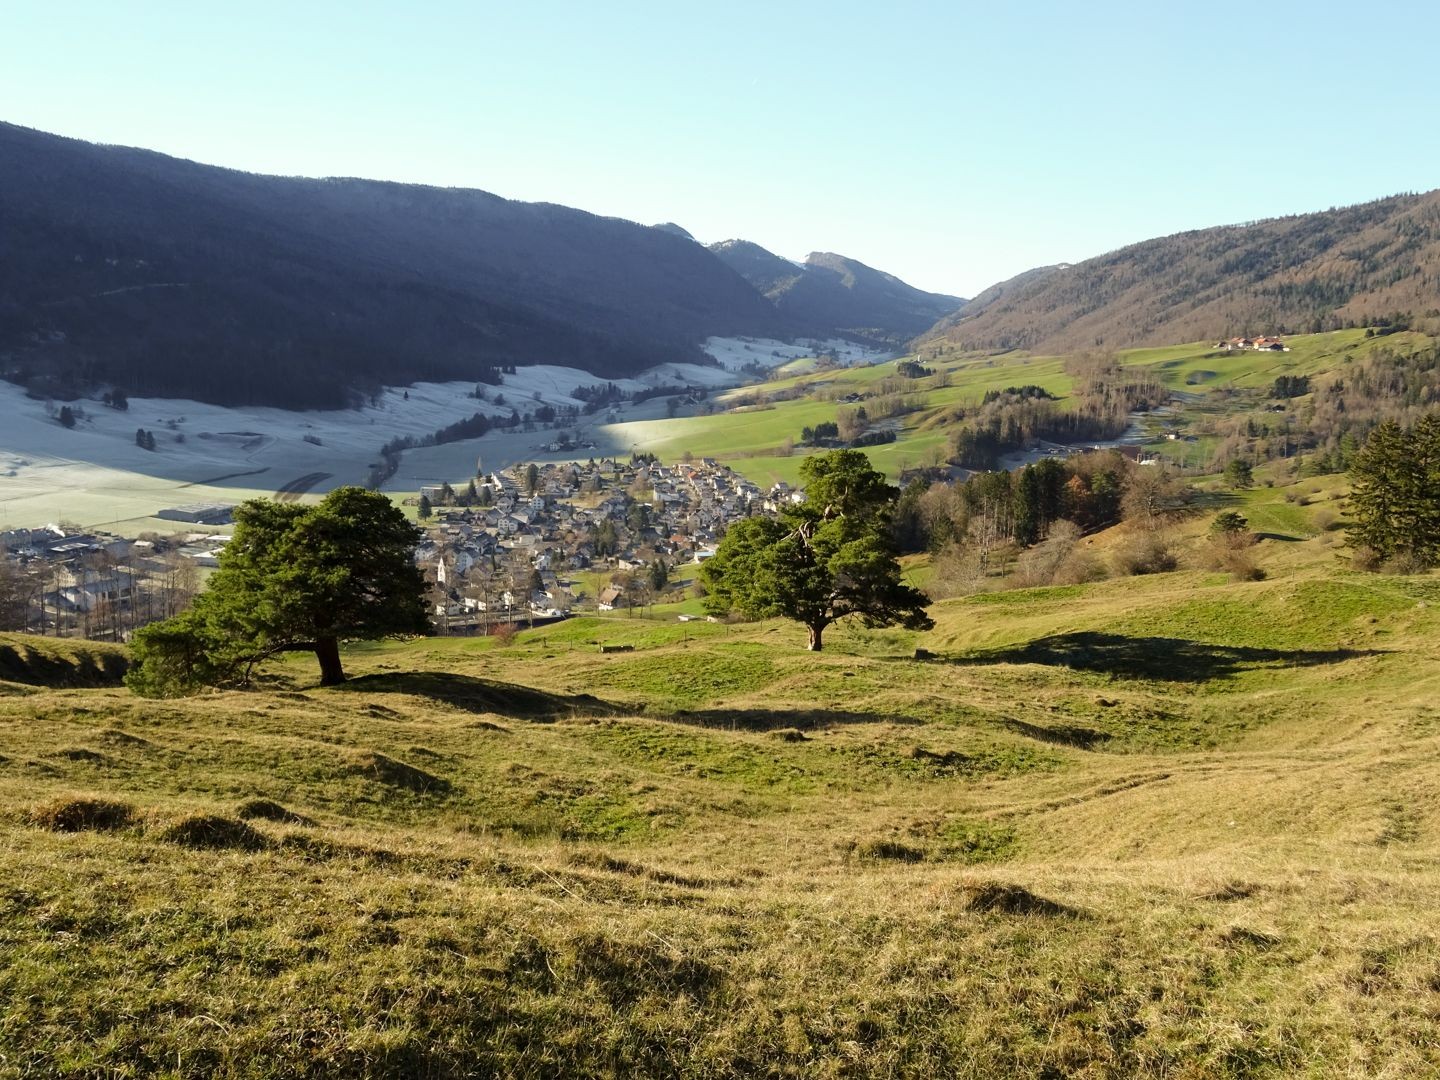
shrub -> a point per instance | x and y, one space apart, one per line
1079 567
1145 553
1039 564
1405 562
1365 559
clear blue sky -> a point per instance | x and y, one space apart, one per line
953 144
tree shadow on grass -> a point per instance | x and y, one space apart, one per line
86 668
780 719
1156 658
483 695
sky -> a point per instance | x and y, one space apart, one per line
952 144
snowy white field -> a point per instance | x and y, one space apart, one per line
96 476
736 353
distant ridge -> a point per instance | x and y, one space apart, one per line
174 279
1306 273
833 294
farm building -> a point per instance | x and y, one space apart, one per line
200 513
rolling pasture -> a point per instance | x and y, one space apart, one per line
1166 826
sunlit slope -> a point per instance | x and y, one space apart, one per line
753 438
1163 826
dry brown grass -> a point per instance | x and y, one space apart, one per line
1205 845
79 813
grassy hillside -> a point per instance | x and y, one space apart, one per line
1165 826
750 439
1286 275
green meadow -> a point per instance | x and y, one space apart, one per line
753 438
1168 826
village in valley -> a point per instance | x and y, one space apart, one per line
518 547
540 541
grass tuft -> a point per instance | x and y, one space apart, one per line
81 814
213 831
269 810
994 897
393 773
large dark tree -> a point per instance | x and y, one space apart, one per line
1395 491
293 579
827 559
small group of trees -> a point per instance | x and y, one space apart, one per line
1105 393
820 434
144 439
1395 494
1290 386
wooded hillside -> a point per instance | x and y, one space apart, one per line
174 279
1300 274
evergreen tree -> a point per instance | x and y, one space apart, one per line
1395 491
66 417
1239 473
293 578
827 559
425 509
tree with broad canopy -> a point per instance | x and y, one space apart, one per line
823 560
293 579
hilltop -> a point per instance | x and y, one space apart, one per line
1298 274
1159 826
833 294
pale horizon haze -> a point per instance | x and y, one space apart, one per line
953 145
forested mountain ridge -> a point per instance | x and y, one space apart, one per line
831 293
1305 273
170 278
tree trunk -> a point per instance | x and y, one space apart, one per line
816 629
327 651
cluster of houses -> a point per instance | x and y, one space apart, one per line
511 552
70 581
516 546
1258 344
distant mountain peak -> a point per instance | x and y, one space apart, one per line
671 227
833 293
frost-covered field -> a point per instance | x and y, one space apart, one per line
95 475
734 354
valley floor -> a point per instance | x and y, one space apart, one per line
1167 826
